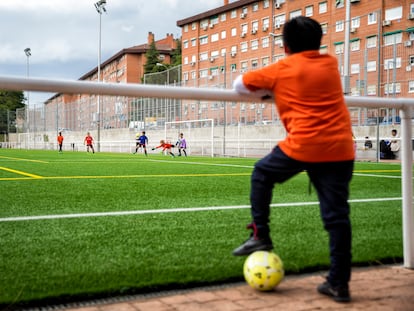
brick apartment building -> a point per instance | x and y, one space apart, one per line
79 111
244 35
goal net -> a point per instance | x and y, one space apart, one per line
199 135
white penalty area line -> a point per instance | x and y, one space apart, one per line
175 210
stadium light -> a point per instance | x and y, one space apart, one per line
100 7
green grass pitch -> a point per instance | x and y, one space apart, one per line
79 225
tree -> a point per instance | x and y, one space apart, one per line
9 102
152 56
176 54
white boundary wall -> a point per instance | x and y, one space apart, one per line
405 105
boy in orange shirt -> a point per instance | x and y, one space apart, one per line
60 141
307 89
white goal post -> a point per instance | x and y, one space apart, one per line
199 134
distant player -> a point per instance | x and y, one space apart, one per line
181 144
165 147
88 141
142 142
60 141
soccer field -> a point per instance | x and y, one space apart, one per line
79 225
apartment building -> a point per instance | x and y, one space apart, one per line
244 35
80 111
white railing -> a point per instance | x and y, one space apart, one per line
405 105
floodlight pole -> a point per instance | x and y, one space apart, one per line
28 53
100 7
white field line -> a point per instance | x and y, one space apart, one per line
175 210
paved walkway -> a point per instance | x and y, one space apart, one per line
379 288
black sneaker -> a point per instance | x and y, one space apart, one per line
339 294
252 245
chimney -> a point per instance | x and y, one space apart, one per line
150 37
226 2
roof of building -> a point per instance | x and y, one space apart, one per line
213 12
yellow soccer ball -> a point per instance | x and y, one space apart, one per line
263 270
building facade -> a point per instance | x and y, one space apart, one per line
79 112
245 35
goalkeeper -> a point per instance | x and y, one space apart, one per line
166 147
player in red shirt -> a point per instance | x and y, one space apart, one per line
165 147
60 141
89 142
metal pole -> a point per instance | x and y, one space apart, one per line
346 47
407 187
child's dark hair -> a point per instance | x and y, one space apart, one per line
302 34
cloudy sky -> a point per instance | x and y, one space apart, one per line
63 35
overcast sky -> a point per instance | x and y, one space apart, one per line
63 35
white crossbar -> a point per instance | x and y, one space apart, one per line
405 105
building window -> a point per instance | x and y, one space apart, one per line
204 24
265 42
371 66
223 17
233 50
278 57
185 60
279 20
244 28
223 34
394 13
323 49
372 90
203 40
233 67
372 18
255 63
265 4
393 38
324 27
355 22
254 44
193 42
265 61
355 45
339 3
203 73
243 47
255 26
244 66
278 41
389 63
203 56
392 88
255 7
234 32
323 7
309 10
339 48
244 10
185 76
411 86
296 13
185 44
214 20
354 68
185 28
233 14
372 42
265 23
214 37
194 26
339 26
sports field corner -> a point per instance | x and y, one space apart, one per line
382 287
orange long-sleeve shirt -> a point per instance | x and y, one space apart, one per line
308 95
